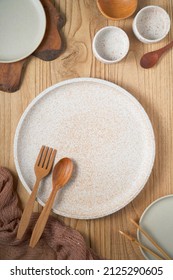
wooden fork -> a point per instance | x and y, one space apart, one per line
42 168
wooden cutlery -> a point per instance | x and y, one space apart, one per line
131 238
61 174
149 59
42 168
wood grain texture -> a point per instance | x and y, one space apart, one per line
11 75
52 44
153 88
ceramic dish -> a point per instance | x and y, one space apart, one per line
103 129
151 24
110 44
22 27
158 222
117 9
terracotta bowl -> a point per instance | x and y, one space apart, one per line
117 9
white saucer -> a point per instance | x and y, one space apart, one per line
157 220
22 27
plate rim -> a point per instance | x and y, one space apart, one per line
144 213
39 4
76 80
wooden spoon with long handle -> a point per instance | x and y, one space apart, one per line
149 59
61 175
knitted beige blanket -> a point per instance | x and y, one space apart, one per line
58 241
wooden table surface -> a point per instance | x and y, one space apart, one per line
153 88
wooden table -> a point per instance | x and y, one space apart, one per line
153 88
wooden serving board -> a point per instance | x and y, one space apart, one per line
50 48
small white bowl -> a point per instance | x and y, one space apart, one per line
151 24
110 44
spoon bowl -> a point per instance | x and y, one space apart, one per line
62 172
61 175
148 60
117 9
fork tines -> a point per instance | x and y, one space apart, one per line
46 157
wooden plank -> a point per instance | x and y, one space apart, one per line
152 87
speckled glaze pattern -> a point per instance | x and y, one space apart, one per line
103 129
110 44
151 24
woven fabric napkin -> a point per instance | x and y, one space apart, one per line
58 241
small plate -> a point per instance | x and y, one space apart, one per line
158 222
22 27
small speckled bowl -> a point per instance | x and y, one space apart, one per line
110 44
151 24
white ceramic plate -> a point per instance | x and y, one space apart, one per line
22 27
158 222
103 129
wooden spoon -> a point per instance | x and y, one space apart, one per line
149 59
61 175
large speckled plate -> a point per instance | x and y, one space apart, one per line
103 129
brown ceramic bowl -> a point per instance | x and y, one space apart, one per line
117 9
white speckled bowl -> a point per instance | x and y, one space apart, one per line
151 24
110 44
